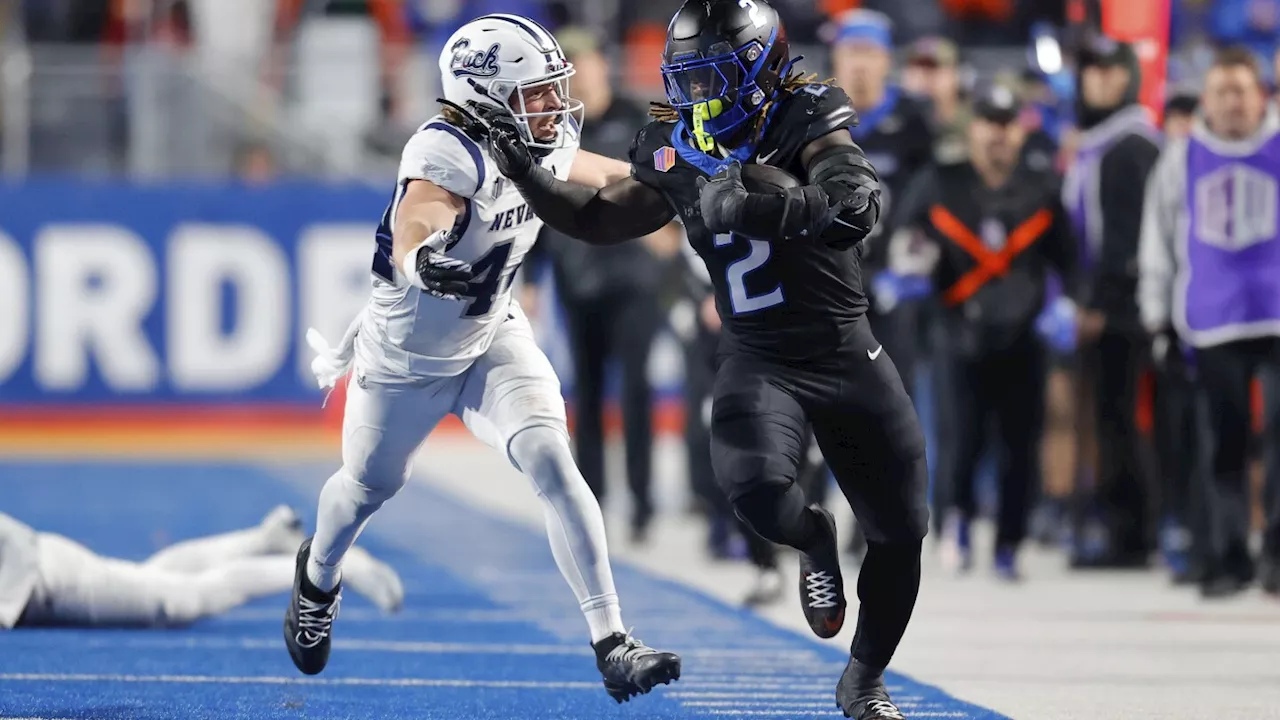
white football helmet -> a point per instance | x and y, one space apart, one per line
493 59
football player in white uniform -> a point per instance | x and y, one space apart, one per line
51 580
442 334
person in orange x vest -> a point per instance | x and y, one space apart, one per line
1000 229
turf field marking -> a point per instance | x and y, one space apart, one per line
832 714
271 680
735 657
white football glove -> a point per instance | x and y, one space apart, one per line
332 363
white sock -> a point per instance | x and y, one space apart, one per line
324 577
604 617
575 526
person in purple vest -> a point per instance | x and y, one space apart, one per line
1210 278
1103 194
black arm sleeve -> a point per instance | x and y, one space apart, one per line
1122 182
624 210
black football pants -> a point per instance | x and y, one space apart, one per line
869 435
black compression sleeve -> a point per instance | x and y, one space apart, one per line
560 204
624 210
792 213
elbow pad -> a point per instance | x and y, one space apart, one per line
853 189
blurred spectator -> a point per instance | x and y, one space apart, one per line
1177 422
1180 115
610 294
1211 280
992 211
932 71
1103 191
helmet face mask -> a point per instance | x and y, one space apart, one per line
498 60
722 63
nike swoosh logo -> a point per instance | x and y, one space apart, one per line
762 159
876 354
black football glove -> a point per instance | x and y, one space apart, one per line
497 127
442 276
506 142
723 199
434 272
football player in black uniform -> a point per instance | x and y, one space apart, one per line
796 348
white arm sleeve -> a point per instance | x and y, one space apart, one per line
1163 212
442 155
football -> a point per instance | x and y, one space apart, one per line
766 178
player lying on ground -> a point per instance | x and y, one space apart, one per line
796 348
442 334
47 579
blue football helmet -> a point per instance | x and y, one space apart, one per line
724 60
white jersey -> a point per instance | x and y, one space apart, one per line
406 334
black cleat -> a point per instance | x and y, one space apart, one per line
821 584
861 694
309 619
631 668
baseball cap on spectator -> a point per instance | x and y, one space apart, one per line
865 26
997 103
933 52
1101 50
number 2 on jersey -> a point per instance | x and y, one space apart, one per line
736 273
488 279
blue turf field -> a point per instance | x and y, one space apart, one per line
489 628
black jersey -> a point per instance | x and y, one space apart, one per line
997 246
790 299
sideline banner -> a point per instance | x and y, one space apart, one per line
116 294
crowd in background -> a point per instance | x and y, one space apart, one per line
1105 437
